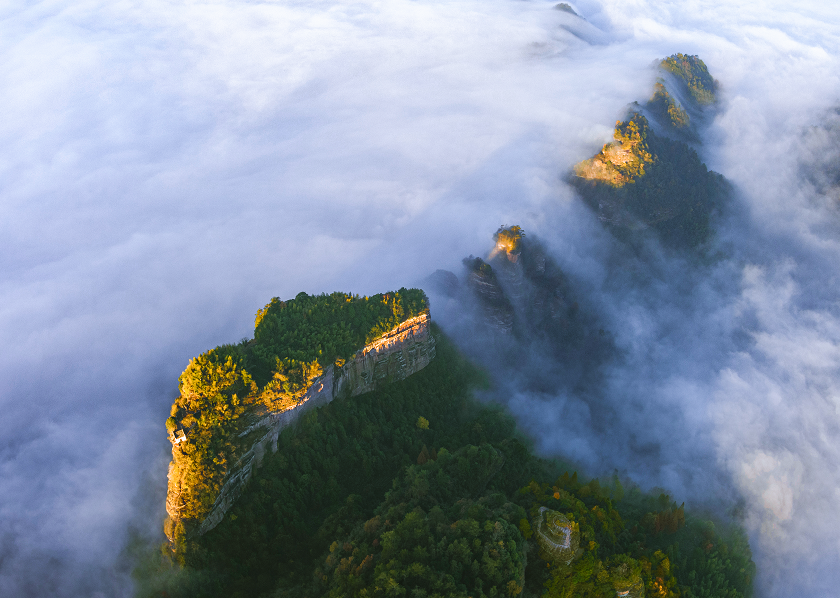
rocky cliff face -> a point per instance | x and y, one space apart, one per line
519 293
492 301
521 314
403 351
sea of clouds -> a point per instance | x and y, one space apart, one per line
168 167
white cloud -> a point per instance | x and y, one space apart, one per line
168 167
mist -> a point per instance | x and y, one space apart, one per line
166 169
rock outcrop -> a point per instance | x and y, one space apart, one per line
403 351
520 291
650 179
494 304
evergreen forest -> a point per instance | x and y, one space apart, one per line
419 490
223 390
644 182
650 180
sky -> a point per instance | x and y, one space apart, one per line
168 167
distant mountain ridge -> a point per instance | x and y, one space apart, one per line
343 507
648 181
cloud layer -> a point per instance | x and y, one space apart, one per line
167 168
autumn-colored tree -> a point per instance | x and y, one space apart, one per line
694 73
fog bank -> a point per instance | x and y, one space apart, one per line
168 168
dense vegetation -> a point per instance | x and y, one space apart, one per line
644 181
294 341
325 327
693 72
438 532
665 108
417 490
624 535
665 187
693 84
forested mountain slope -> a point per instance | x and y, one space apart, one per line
417 489
649 181
234 399
410 486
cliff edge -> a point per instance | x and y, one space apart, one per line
225 421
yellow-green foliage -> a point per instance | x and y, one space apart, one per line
693 72
275 302
596 570
650 550
219 370
215 389
289 383
558 537
672 191
590 578
662 104
509 238
325 327
661 583
632 136
624 160
596 525
294 341
340 510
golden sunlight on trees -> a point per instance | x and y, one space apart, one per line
289 383
295 341
693 72
645 181
624 160
666 108
509 238
359 500
210 373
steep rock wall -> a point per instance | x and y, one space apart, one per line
403 351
